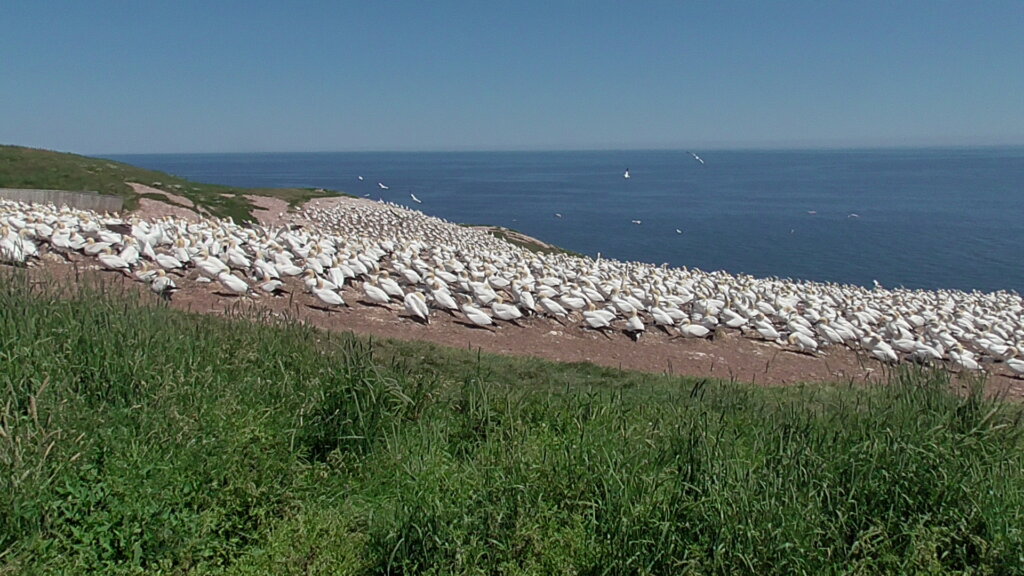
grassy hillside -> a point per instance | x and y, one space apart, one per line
34 168
137 439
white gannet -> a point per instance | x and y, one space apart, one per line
416 306
634 327
1016 366
112 261
803 342
693 331
415 199
626 175
233 283
506 312
697 158
273 287
162 284
326 295
382 186
474 314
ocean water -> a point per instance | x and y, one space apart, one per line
919 218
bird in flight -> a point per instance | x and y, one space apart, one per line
415 199
697 158
382 186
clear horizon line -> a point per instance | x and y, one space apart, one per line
717 148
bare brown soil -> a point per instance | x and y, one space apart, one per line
149 208
271 211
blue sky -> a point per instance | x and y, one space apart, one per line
123 77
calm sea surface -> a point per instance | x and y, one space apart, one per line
932 218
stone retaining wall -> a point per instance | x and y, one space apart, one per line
82 200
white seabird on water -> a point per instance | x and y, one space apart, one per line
678 231
382 186
415 199
360 177
626 175
697 158
636 221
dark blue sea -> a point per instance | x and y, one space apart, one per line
919 218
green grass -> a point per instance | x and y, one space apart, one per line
22 167
138 439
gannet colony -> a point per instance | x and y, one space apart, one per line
415 264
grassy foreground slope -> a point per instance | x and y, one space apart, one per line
137 439
22 167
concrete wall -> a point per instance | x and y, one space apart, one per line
82 200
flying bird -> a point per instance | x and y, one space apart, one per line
382 186
697 158
415 199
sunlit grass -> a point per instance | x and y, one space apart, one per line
139 439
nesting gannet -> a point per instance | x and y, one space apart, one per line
327 296
112 261
1016 366
693 331
274 287
233 283
803 342
475 315
506 312
375 294
634 327
162 285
